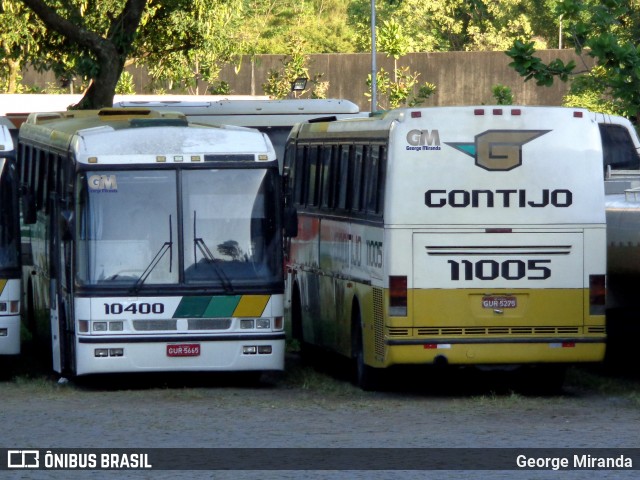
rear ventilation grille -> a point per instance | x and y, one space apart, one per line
448 331
378 322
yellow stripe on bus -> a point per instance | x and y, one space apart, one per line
251 306
3 283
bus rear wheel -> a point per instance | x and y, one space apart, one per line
365 376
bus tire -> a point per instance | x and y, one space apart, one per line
365 376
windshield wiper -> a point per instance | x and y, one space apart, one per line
166 246
199 244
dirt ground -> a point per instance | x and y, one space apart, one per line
316 407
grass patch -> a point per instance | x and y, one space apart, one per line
601 380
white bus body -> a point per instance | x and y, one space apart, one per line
457 235
10 288
273 117
160 247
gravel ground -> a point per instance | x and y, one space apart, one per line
320 409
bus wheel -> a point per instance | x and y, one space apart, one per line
365 377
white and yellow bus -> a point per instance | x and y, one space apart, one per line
10 288
453 235
156 244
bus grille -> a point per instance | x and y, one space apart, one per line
209 323
446 331
378 322
172 324
155 325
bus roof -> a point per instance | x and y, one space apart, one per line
110 133
252 107
254 113
382 122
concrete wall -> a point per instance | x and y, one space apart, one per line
461 78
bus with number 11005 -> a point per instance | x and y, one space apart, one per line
468 236
155 243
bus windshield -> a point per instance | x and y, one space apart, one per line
9 233
135 230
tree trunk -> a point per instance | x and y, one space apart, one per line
111 52
14 71
103 86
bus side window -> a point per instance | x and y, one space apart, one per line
299 176
27 193
314 176
343 177
373 179
358 173
327 177
618 148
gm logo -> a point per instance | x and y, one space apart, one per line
103 182
23 459
499 150
423 137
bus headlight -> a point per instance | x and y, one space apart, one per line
246 323
263 323
116 326
99 326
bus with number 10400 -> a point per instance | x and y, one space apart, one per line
155 243
468 236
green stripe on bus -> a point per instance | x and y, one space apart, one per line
206 307
222 306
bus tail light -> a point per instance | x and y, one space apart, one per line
597 294
398 296
12 306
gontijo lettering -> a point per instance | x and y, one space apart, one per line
560 198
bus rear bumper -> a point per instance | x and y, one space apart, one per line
186 355
487 352
10 335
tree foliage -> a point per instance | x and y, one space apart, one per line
183 43
92 38
607 31
450 25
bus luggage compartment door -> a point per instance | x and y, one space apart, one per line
498 279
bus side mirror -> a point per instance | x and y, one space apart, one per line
290 222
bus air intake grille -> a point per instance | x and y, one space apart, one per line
154 325
449 331
398 332
498 330
378 321
209 323
601 329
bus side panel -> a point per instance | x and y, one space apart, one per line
10 317
305 250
